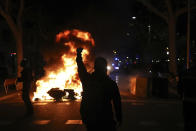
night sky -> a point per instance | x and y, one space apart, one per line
107 20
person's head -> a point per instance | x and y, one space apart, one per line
100 65
24 63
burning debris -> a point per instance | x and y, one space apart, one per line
56 94
64 76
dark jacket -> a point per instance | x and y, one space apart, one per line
26 78
188 85
98 93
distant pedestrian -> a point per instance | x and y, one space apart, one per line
26 78
99 93
188 85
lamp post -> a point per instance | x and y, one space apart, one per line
188 36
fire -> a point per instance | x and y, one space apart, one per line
65 76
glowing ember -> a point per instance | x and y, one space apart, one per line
65 76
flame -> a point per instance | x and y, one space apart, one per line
66 75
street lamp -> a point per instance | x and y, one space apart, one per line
188 36
108 67
133 17
149 28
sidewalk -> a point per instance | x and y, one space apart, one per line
126 97
11 93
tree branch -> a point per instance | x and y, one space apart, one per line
153 9
11 24
184 10
9 21
2 12
7 6
169 7
19 21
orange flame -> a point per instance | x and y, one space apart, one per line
66 76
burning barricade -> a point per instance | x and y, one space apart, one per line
62 80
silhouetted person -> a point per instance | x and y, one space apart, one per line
188 85
99 91
179 84
26 78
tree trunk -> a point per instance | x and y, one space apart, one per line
172 45
19 48
19 53
17 33
172 56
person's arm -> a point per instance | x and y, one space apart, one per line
81 68
117 104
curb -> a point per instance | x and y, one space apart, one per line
171 101
8 96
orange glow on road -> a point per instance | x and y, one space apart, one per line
133 85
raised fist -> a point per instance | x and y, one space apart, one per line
79 50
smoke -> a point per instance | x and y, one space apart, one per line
66 44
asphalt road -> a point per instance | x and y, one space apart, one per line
138 115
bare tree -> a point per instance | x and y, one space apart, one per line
15 24
170 15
